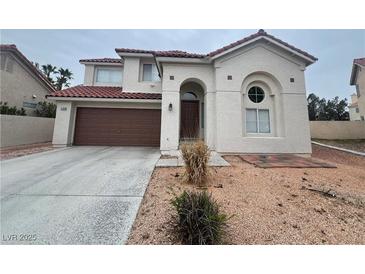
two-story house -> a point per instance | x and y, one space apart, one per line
22 84
358 79
247 97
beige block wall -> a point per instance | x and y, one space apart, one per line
23 130
335 130
18 86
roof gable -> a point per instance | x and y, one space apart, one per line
36 72
262 35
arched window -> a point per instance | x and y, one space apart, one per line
189 96
256 94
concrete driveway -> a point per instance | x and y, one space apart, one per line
78 195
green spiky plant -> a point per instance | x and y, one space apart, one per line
199 221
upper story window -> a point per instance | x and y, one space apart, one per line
150 73
256 94
109 75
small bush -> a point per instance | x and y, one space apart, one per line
5 109
46 109
199 221
196 156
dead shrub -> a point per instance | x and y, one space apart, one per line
196 156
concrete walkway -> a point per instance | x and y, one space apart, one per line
79 195
177 161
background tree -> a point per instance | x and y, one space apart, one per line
327 110
336 109
49 70
315 106
65 75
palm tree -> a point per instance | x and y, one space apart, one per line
48 70
65 75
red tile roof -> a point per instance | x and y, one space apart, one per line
184 54
163 53
360 61
104 92
102 60
134 50
13 49
178 53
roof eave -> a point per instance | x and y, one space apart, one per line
133 54
90 99
195 60
353 74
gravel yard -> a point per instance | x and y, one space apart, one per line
268 206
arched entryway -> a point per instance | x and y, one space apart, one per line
191 111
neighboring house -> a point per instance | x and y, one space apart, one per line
358 79
21 83
354 108
247 97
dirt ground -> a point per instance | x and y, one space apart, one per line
17 151
356 145
268 206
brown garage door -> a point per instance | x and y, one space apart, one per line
117 127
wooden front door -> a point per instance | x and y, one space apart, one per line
189 126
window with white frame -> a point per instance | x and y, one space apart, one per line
105 75
257 120
150 73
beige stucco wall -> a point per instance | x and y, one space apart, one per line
170 120
66 116
19 85
132 78
226 101
22 130
333 130
354 116
360 81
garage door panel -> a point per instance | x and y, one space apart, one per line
124 127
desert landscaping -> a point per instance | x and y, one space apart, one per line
267 205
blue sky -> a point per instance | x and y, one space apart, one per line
329 77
